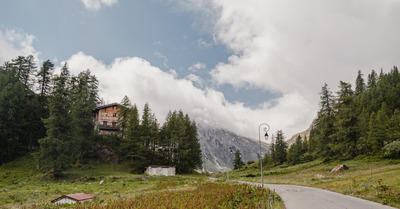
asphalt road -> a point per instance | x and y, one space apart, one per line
300 197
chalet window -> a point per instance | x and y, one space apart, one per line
104 123
114 115
114 124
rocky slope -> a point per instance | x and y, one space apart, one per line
303 135
219 146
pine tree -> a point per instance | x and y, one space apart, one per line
84 96
323 126
273 157
130 145
280 147
123 114
168 136
238 162
378 130
25 68
44 79
344 142
360 84
193 156
394 127
55 148
295 152
147 134
372 80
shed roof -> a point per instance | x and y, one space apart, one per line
76 197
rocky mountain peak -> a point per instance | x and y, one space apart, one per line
219 146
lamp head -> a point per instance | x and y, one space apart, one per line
266 135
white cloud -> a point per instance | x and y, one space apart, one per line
163 57
15 43
95 5
195 79
294 47
201 43
143 83
197 66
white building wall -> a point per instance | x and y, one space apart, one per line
161 171
65 200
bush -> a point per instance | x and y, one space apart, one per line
392 150
250 162
306 157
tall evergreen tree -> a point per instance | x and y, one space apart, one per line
378 130
280 147
130 145
345 139
237 161
148 134
25 69
84 96
44 79
193 155
55 148
295 152
360 84
394 127
123 113
372 80
323 126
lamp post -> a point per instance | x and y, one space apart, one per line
227 170
266 129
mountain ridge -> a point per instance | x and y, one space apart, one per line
219 146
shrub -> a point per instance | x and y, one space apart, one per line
306 157
392 150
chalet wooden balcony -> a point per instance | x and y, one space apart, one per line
109 128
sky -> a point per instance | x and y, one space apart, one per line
229 64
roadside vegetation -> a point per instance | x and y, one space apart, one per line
383 187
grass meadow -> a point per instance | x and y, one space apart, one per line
23 186
383 187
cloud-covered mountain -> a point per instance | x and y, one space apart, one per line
219 146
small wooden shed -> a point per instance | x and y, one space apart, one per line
73 198
160 170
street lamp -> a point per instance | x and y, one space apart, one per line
227 170
266 129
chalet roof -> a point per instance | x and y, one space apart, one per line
77 197
105 106
161 166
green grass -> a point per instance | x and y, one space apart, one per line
384 187
22 185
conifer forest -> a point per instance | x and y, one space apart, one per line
50 117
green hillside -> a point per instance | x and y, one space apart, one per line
384 186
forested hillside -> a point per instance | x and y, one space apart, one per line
360 121
51 117
364 120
